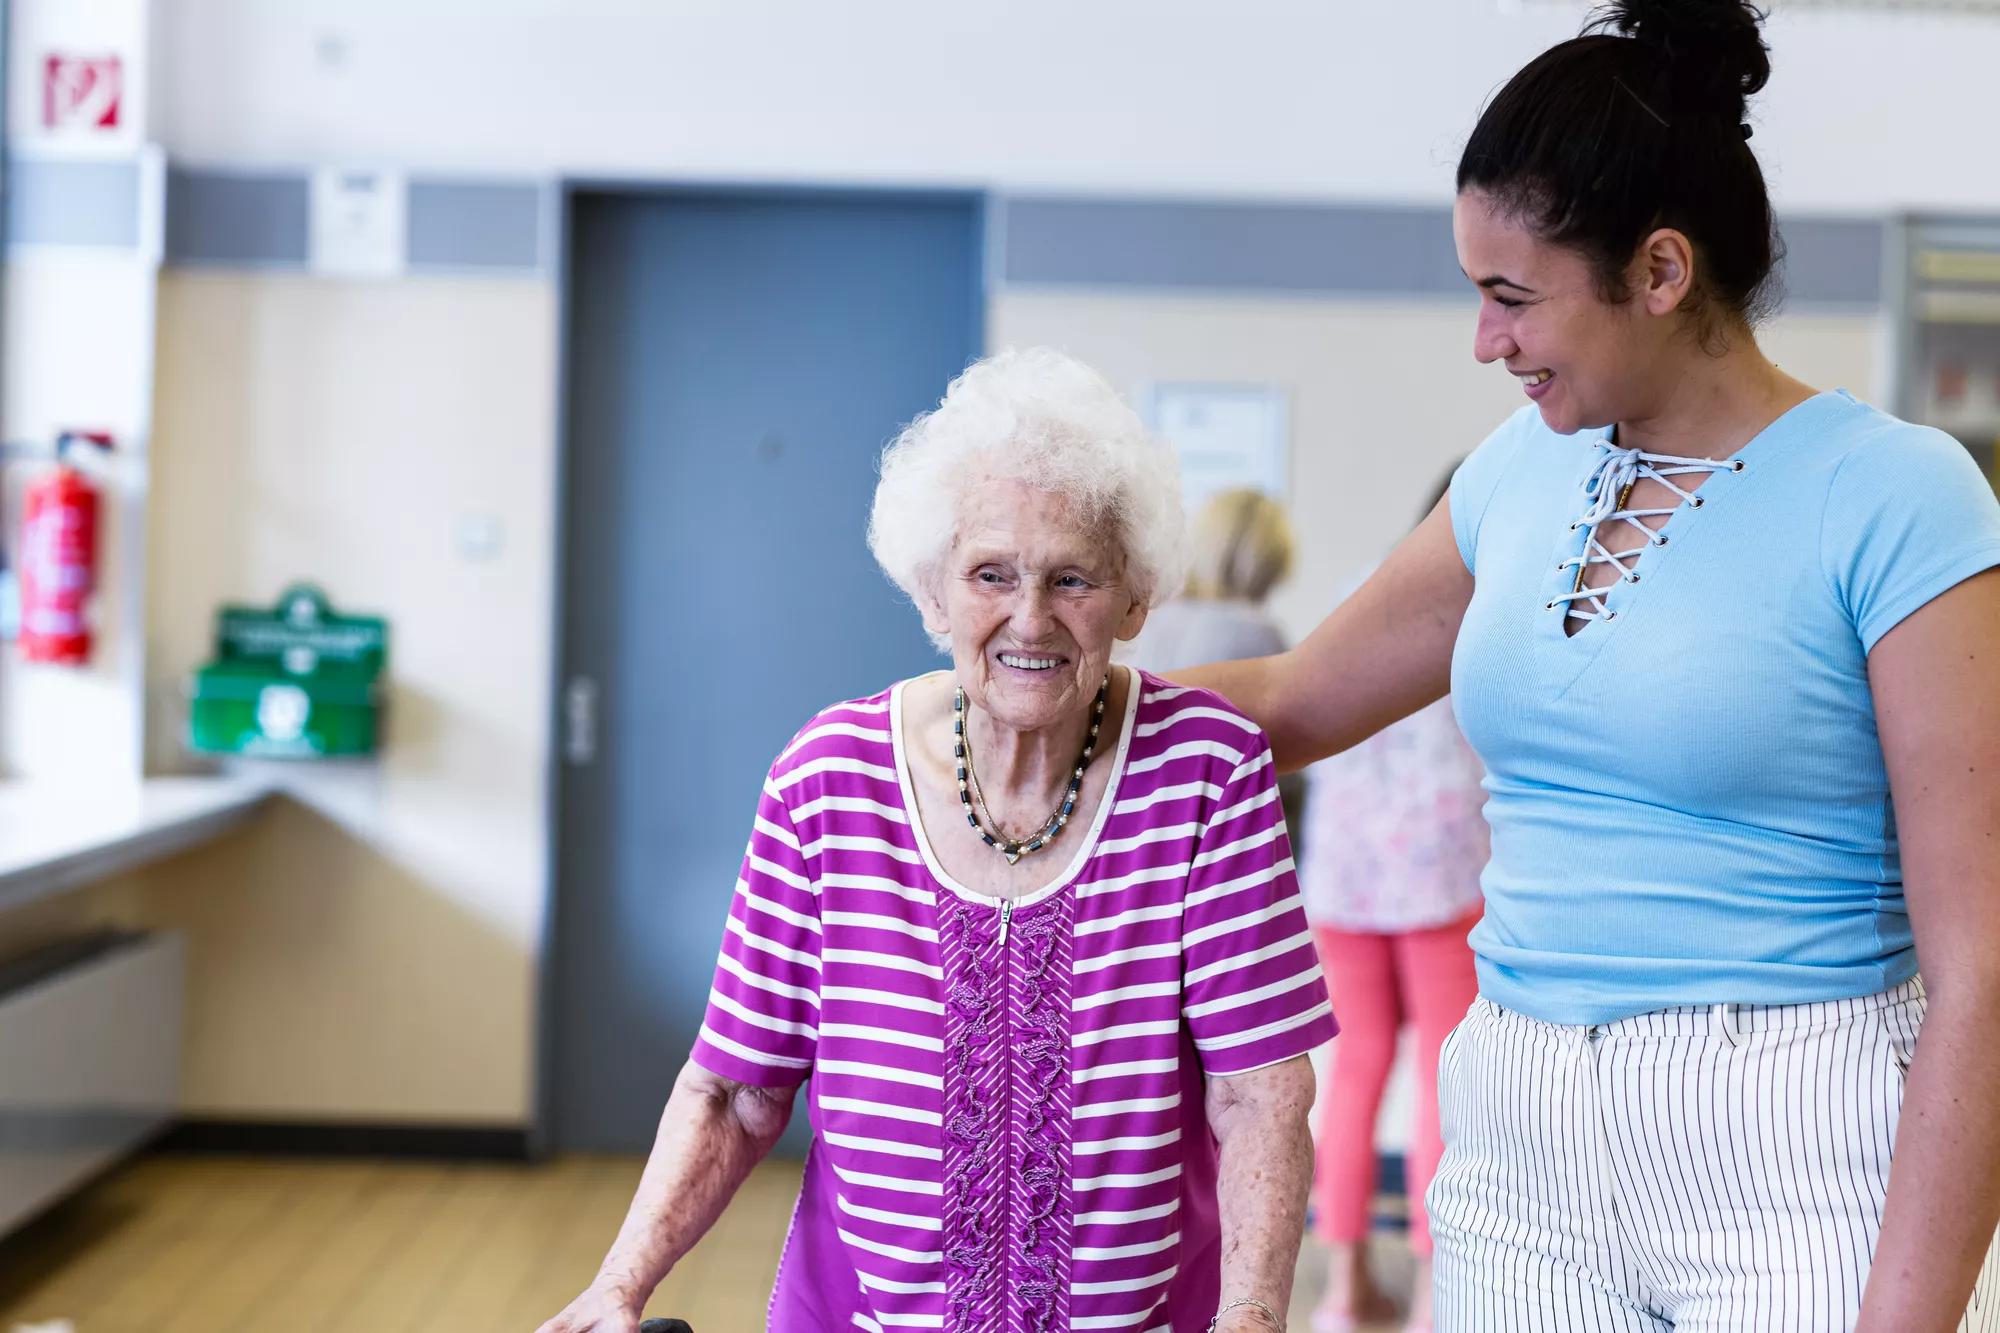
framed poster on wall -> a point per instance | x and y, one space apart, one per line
1227 435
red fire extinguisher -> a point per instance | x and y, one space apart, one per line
59 557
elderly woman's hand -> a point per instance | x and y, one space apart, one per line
602 1308
712 1132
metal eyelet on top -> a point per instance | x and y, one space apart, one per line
1631 578
1738 466
1659 539
1695 502
1611 615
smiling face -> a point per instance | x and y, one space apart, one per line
1584 361
1032 598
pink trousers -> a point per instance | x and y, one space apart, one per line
1378 983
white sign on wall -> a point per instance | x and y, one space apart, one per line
76 76
1227 436
359 222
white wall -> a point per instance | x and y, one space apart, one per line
1868 112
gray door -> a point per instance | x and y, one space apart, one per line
734 364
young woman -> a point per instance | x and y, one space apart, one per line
1725 644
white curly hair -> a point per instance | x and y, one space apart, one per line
1041 417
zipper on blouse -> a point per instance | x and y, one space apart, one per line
1008 1149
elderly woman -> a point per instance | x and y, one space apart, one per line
1029 926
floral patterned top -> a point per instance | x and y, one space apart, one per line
1395 834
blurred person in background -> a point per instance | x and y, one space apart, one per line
1389 865
1241 548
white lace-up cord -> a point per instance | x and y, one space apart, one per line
1614 474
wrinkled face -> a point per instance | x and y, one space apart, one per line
1032 598
1584 361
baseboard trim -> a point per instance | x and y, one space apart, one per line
266 1138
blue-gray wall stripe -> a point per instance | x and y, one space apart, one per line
261 220
1316 248
228 219
1833 261
475 225
1331 249
52 202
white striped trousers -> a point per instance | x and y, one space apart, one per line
1702 1170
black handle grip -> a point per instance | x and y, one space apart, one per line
665 1326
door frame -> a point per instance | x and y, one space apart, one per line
561 202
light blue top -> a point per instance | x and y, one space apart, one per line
1688 799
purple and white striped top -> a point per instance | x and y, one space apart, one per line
1009 1132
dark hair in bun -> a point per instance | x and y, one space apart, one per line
1639 124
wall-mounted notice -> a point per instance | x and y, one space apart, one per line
76 76
1227 435
359 222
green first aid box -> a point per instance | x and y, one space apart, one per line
296 681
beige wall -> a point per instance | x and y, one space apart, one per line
368 950
1384 394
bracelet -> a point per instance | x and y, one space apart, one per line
1251 1302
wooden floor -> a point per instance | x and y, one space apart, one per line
226 1245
